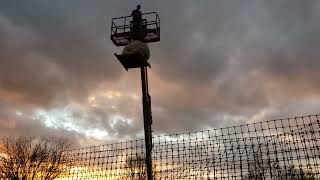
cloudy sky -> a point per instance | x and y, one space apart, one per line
219 63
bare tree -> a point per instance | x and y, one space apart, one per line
262 168
136 168
28 158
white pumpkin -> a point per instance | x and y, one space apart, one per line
137 47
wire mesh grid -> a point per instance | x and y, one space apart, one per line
275 149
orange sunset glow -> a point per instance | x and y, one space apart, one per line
115 91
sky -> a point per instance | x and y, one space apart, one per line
219 63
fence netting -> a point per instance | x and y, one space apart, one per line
275 149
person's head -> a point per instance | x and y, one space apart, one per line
138 7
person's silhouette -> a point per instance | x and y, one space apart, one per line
136 14
136 23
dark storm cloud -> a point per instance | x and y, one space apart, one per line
51 55
277 36
286 38
257 55
217 61
64 44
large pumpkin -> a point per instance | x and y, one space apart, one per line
137 47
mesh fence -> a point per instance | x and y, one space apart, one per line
276 149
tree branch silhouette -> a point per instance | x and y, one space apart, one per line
28 158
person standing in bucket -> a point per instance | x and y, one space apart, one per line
137 24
